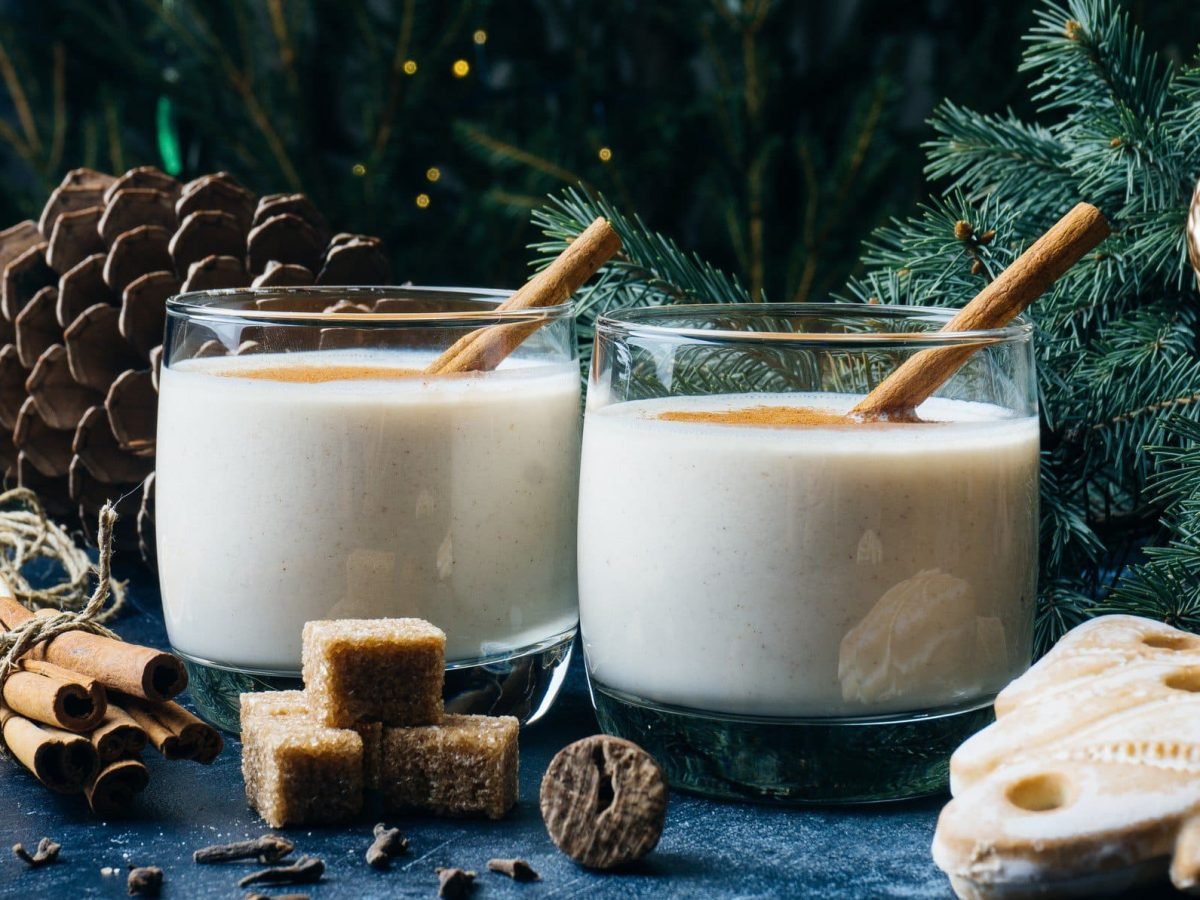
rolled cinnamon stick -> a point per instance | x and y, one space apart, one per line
64 762
118 736
484 348
132 669
112 791
55 696
174 732
914 381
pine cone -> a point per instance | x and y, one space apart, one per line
82 311
1193 232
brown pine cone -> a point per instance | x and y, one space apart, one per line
83 306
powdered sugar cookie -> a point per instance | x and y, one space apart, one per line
1089 781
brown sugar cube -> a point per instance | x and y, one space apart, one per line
297 771
374 670
467 765
296 703
265 703
372 738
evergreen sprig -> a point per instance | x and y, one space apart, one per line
649 270
1117 345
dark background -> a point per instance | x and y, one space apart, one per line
769 136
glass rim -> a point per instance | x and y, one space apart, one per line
216 305
640 322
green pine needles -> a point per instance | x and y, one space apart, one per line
1118 351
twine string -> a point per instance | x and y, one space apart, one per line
27 534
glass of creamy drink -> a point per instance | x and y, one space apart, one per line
309 468
783 601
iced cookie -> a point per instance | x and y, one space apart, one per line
1089 781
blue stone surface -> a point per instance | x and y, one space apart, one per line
708 849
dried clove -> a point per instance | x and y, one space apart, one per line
516 869
145 881
305 870
454 884
604 801
388 842
46 853
268 849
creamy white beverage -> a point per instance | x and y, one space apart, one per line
345 484
734 564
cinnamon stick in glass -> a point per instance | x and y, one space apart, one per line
1075 234
64 762
484 349
55 696
132 669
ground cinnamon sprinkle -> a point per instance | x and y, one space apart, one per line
767 417
319 374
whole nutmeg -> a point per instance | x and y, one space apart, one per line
604 801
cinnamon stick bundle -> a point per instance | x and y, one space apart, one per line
55 696
132 669
112 791
62 761
174 732
118 736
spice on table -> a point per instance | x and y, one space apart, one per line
46 693
516 869
145 881
454 884
604 801
64 762
142 671
305 870
46 853
174 732
117 736
267 849
389 842
115 787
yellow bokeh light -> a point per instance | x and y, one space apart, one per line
359 169
410 67
480 36
605 154
423 201
461 68
433 173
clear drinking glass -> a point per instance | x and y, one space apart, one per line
307 469
804 612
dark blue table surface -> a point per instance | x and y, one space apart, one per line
708 849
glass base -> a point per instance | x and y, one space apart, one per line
523 683
798 761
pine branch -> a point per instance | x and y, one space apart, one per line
1087 55
942 257
1000 155
650 270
